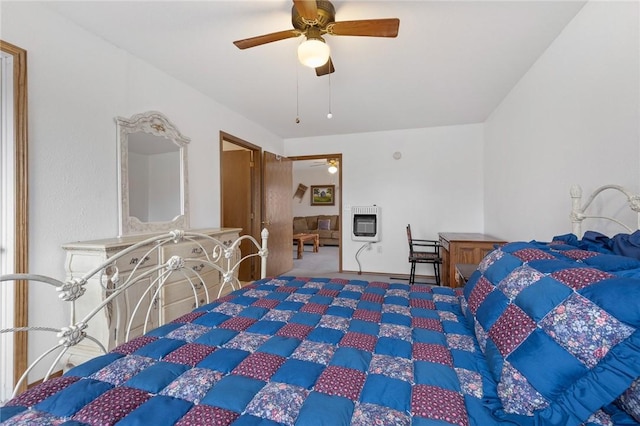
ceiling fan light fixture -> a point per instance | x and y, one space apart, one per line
333 167
313 52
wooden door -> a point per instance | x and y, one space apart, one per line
277 215
236 208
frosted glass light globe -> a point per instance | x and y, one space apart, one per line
313 53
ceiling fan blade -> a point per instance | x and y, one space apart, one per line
266 38
325 69
308 9
368 28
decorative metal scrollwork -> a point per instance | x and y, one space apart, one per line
227 277
228 253
177 235
574 216
175 263
72 335
71 290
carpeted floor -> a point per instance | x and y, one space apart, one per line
325 261
325 264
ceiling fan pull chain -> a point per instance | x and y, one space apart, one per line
297 96
329 115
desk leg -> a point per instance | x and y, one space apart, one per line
316 243
300 248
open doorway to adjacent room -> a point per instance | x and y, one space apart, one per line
240 187
317 208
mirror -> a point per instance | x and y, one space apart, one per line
152 163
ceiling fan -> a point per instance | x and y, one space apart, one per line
330 163
313 19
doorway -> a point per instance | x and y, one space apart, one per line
240 195
254 193
313 170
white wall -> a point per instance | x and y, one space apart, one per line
436 186
313 176
572 119
77 85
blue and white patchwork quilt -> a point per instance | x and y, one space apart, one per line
537 337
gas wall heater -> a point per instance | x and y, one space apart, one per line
365 223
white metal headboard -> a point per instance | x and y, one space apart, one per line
578 209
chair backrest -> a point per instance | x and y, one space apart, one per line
409 239
424 246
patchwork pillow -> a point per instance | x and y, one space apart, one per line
561 339
629 401
324 224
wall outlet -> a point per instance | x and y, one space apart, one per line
379 249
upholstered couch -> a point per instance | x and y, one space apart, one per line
326 226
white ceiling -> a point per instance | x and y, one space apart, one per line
452 62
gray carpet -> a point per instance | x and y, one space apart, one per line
325 264
325 261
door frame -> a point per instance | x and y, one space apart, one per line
21 210
338 198
256 187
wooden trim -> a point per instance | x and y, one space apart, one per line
52 376
256 186
22 210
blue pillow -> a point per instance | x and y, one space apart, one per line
612 262
627 244
563 345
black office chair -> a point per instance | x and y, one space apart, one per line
428 252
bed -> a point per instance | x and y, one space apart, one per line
544 333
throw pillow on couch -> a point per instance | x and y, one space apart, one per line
324 224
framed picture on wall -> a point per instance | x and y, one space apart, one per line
323 195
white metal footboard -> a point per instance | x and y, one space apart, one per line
138 316
578 209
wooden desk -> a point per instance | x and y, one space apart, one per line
463 247
464 272
301 238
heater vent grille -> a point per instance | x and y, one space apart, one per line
366 210
365 223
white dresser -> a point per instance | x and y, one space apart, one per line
176 297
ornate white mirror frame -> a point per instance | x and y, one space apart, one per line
156 127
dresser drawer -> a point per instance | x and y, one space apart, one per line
181 307
176 309
228 238
141 258
192 268
181 288
188 249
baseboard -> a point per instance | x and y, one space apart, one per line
403 277
37 382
